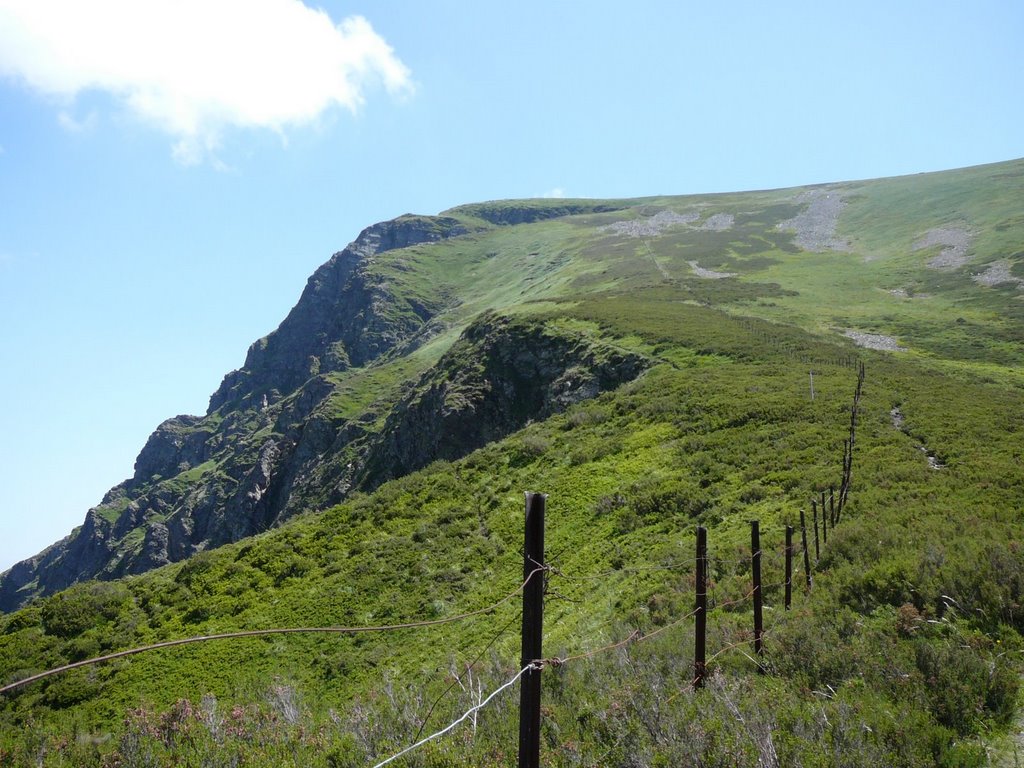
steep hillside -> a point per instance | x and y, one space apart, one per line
648 364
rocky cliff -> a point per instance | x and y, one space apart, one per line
275 440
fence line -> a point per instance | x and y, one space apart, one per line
534 555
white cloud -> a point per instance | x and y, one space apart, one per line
557 192
197 67
74 125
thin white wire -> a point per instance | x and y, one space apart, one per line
470 711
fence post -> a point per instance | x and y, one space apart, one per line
533 616
701 613
814 517
824 521
832 505
807 555
755 570
845 480
789 566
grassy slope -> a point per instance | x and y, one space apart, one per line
721 432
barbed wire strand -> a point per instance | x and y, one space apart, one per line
470 711
769 554
634 637
618 571
728 603
278 631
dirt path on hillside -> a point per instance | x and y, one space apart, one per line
896 416
664 272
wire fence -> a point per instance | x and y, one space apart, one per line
717 607
733 568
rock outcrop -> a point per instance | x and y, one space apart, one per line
347 316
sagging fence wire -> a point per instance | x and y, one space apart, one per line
274 631
636 636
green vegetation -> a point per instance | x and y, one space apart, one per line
906 652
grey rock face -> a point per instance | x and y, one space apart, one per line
173 447
155 550
345 317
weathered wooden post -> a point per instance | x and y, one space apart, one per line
814 518
533 619
701 614
755 572
824 520
807 554
845 479
789 566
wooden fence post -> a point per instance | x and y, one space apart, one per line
701 615
789 566
807 555
814 518
845 480
824 521
533 618
755 571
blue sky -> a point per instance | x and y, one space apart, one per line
172 172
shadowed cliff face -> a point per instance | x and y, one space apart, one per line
501 375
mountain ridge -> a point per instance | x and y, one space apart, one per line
277 437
